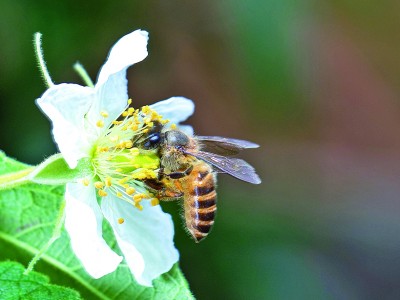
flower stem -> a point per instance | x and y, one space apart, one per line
84 75
15 179
56 234
40 59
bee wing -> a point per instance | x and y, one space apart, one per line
224 146
233 166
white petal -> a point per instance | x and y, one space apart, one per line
83 222
66 106
111 87
145 238
175 109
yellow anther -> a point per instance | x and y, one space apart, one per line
108 181
139 206
98 185
131 110
123 180
134 151
116 122
145 109
134 127
102 193
173 126
121 220
85 182
151 124
147 120
128 144
119 194
154 202
138 197
104 114
164 122
146 130
100 123
130 190
129 101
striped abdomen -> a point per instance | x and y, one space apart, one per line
200 200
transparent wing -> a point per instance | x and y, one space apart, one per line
224 146
233 166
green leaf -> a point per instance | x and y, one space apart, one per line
55 170
27 219
14 284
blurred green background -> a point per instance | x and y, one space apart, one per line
316 84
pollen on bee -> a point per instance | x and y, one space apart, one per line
102 193
104 114
130 190
85 182
121 220
98 185
100 123
154 201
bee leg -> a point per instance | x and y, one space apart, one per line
162 192
177 175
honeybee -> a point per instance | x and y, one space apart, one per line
189 166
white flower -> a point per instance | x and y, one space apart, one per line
84 127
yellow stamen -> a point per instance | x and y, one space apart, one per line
119 194
154 201
104 114
85 182
139 206
100 123
121 220
129 101
173 126
123 180
130 190
98 185
138 197
102 193
108 181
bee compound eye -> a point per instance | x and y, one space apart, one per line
152 141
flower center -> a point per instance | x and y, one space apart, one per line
120 164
